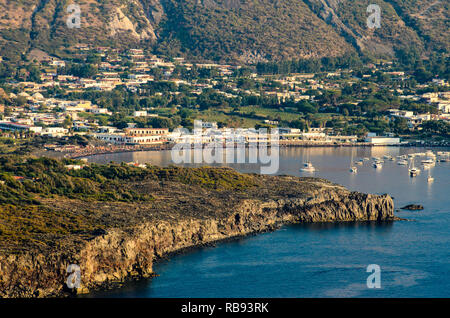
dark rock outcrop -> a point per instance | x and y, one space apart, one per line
412 207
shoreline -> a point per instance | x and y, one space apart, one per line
126 149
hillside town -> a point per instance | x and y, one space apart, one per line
134 98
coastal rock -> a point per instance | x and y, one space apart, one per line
412 207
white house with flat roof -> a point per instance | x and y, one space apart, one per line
383 140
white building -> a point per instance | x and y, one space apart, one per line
140 113
401 113
100 111
54 131
383 140
205 124
444 107
136 136
57 63
284 131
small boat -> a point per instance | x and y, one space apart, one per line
430 153
402 162
377 165
444 157
428 161
427 165
353 169
308 167
413 171
430 178
359 162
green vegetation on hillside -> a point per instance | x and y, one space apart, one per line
26 183
25 180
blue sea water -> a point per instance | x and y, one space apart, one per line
321 260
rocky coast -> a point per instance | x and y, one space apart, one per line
129 237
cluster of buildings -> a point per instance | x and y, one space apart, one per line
46 115
130 68
413 121
133 67
208 132
440 99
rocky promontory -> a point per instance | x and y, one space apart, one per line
185 211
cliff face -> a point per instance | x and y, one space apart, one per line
129 251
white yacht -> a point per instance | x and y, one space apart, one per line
430 178
428 164
353 168
402 162
413 171
428 160
308 167
377 165
444 157
430 153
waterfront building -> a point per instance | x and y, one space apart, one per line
383 140
135 136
